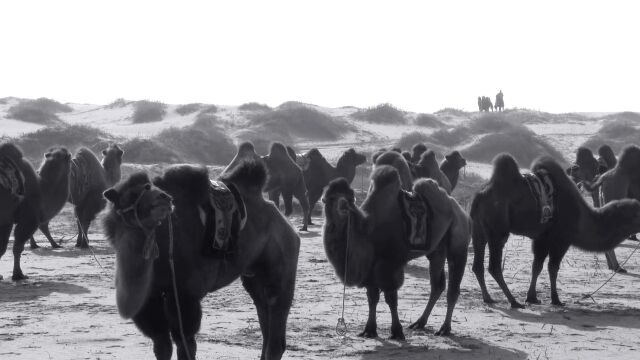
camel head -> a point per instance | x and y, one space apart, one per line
351 157
56 165
416 152
630 161
339 200
138 203
456 159
113 154
606 153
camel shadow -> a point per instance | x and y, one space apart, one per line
462 348
417 271
578 318
308 234
71 251
31 290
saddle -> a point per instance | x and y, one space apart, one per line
229 215
416 214
542 190
11 178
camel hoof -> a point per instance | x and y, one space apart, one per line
56 246
418 325
533 300
517 305
557 303
19 277
34 246
311 223
621 270
445 330
399 336
488 300
369 334
303 228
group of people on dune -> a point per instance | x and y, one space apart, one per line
181 235
485 104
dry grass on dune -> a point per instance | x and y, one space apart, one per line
254 106
428 120
407 140
452 112
524 147
381 114
39 111
187 109
616 133
145 111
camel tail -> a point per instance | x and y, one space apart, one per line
249 174
12 151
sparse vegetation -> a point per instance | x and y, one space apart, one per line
118 103
525 146
146 111
300 121
254 106
468 186
209 109
452 111
70 136
148 151
40 111
407 140
187 109
451 137
617 133
381 114
210 146
204 120
428 120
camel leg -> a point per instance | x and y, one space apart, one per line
391 298
275 197
45 230
371 329
152 322
438 284
540 252
191 312
251 285
457 261
479 246
555 258
495 268
5 232
24 230
313 199
304 203
287 199
612 262
33 244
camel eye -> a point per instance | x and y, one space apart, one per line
147 186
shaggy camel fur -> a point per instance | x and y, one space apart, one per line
264 255
451 166
11 191
45 194
416 152
606 159
319 172
89 179
507 205
427 167
395 160
374 240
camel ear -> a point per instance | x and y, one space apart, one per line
47 155
111 195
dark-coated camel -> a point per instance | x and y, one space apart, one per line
45 194
606 159
12 188
319 172
428 167
374 240
451 166
264 255
507 205
398 162
89 179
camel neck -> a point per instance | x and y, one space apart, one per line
603 229
112 172
346 171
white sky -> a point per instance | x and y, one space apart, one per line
556 56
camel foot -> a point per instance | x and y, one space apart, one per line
369 334
445 330
488 300
19 276
517 305
621 270
310 223
56 246
533 300
397 336
418 325
34 246
557 302
303 228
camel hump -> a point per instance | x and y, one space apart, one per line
630 160
11 151
86 173
249 174
435 195
396 160
385 175
505 169
185 182
585 158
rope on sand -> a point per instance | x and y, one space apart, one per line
590 295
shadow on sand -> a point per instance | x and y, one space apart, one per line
462 348
28 290
579 318
70 251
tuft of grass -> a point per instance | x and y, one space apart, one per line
145 111
381 114
118 103
428 120
524 146
71 136
452 111
303 122
468 185
407 140
209 109
451 137
617 133
148 151
205 121
204 145
40 111
254 106
187 109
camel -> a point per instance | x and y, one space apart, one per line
451 166
89 179
427 167
396 160
508 203
263 254
12 187
319 172
416 151
606 159
369 246
45 193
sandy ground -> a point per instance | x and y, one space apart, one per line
66 310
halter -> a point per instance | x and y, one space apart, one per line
150 249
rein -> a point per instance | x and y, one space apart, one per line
341 326
150 249
175 290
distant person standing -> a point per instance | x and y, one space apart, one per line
499 101
479 103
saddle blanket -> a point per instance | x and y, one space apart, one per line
11 178
542 190
227 206
416 213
